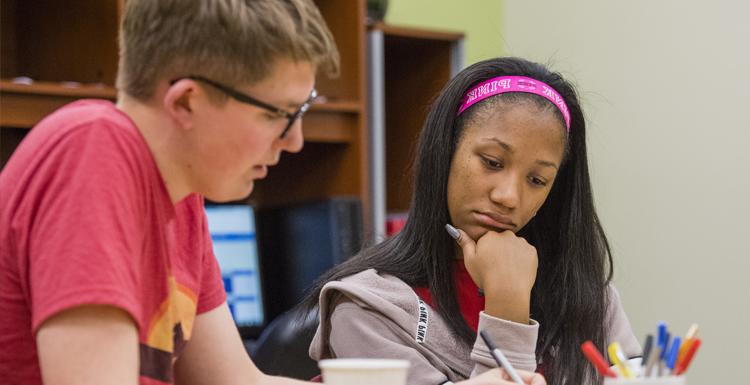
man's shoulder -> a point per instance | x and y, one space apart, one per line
85 113
88 123
92 108
82 150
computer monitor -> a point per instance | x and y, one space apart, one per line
232 229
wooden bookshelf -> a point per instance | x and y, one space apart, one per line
415 64
67 61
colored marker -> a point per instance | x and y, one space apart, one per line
499 357
661 328
595 357
692 332
665 346
682 366
647 349
652 360
618 358
673 353
684 348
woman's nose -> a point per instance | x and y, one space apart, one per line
506 192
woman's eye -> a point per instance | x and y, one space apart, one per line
538 181
492 163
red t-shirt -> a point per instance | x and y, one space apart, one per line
469 300
85 218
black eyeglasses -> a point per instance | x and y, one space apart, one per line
243 98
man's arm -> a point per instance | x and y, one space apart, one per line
90 344
215 354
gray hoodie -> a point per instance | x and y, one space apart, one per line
380 316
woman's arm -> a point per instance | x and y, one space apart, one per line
516 340
358 333
504 266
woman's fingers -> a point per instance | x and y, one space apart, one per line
529 378
468 246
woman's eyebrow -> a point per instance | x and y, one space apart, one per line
502 144
547 163
511 150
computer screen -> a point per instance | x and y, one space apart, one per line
232 229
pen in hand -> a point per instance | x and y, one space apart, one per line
499 357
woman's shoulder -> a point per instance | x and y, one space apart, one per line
618 324
370 288
613 295
370 280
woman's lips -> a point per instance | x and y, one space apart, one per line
494 220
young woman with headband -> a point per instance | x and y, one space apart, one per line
502 166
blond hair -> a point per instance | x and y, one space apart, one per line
230 41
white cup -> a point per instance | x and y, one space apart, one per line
364 371
666 380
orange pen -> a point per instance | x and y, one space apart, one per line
684 349
683 365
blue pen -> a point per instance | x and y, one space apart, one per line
661 328
673 353
665 347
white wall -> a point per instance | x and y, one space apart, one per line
666 88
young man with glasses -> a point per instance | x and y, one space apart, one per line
107 274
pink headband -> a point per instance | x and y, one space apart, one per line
504 84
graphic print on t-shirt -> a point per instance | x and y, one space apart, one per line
168 332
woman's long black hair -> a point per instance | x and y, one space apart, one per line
569 298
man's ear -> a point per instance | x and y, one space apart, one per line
179 101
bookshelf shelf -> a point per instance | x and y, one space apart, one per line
416 33
338 106
59 89
329 126
23 105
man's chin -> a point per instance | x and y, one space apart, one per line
225 196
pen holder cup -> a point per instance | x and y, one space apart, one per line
667 380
